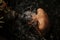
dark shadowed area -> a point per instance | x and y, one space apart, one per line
12 29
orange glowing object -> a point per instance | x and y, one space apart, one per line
42 19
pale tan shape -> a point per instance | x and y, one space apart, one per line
43 21
42 18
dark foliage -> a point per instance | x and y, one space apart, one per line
16 28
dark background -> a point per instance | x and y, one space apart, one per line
52 7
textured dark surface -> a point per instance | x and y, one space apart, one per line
52 8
